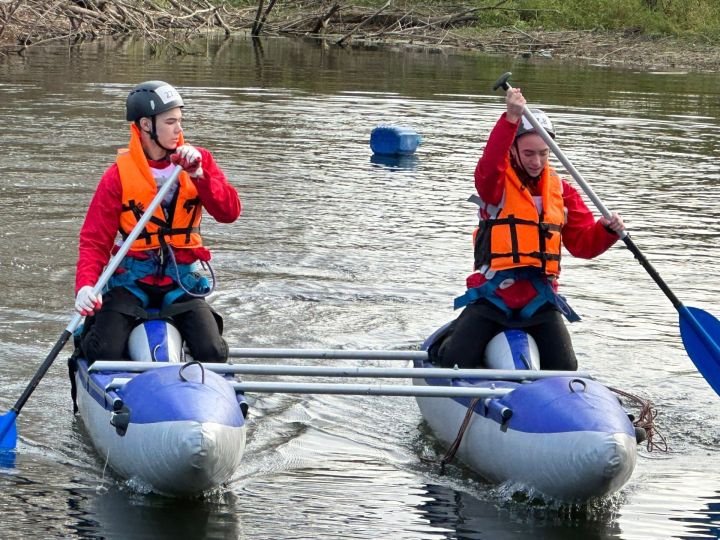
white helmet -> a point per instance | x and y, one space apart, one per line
542 118
155 340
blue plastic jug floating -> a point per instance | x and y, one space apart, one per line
393 140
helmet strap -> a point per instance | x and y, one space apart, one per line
156 140
152 133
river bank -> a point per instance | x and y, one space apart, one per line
445 29
614 49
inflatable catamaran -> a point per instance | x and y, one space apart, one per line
565 436
180 427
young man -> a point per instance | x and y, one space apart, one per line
162 269
527 212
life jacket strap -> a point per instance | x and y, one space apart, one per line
486 291
545 295
164 228
188 278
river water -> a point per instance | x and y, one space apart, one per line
336 249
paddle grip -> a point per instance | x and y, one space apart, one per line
502 82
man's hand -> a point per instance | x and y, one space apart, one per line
86 302
189 158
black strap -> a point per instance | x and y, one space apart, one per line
164 226
193 204
545 231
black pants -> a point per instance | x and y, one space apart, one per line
108 330
481 321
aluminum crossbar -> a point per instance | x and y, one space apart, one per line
332 371
337 354
352 389
370 390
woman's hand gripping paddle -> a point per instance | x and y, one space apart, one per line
700 331
8 428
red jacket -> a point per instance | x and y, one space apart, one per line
98 232
583 236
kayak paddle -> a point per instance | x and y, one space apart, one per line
700 331
8 428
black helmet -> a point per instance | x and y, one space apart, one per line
526 127
150 98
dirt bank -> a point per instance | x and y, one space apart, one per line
29 23
615 49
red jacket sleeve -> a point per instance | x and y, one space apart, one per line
99 229
219 198
489 172
582 235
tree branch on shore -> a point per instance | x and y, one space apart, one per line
171 25
260 21
25 23
347 36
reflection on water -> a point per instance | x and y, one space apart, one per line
396 161
472 518
340 248
121 514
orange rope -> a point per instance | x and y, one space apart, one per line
646 421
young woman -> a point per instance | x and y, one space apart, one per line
527 213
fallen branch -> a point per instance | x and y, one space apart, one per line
343 39
218 18
25 23
7 15
322 20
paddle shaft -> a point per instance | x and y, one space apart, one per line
97 289
502 83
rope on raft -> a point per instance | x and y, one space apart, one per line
646 421
452 450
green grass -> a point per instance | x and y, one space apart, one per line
688 19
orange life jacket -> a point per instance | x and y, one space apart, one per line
182 227
518 235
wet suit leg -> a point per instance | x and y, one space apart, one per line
466 344
554 343
481 321
201 329
106 334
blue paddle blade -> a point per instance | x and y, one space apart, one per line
8 430
700 333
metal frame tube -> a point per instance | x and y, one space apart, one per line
350 371
348 354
